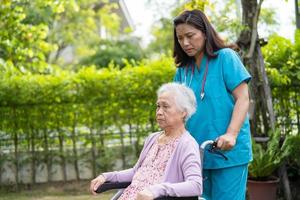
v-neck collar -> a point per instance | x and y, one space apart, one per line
202 65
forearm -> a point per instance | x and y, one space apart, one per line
183 189
119 176
238 116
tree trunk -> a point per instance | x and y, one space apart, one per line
33 155
16 148
101 145
61 152
138 138
259 86
94 153
47 156
266 87
122 147
260 93
75 147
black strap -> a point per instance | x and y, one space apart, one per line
176 198
110 186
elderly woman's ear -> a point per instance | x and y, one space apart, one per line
184 115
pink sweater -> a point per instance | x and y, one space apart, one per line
183 174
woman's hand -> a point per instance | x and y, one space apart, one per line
96 182
145 195
226 141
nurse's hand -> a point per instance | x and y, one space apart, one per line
226 141
145 195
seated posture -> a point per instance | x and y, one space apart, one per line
169 164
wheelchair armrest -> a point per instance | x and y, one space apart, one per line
110 186
177 198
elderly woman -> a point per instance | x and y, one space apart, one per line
169 164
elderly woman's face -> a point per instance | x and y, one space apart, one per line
167 113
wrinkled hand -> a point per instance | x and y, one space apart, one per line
96 182
226 141
145 195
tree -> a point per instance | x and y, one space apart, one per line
34 33
113 51
253 59
163 35
260 91
221 14
23 46
75 24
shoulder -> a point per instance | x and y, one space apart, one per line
226 53
148 143
151 137
187 142
188 149
180 68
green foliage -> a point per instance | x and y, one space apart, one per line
267 20
53 116
267 159
294 142
195 4
78 25
283 60
23 46
163 30
106 160
113 51
225 19
163 34
223 15
34 33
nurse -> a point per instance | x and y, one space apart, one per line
219 80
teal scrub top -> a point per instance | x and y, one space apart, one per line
213 115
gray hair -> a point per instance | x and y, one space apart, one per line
184 97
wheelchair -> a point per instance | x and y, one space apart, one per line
212 148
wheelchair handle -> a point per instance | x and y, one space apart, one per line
206 143
212 149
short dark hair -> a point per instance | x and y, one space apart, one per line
197 19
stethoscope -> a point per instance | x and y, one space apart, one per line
202 93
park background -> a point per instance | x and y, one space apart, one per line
78 83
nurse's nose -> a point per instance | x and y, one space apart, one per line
185 42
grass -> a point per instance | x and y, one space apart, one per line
53 191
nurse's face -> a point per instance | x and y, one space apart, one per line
191 40
168 116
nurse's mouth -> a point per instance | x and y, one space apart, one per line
188 50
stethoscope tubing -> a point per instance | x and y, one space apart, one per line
202 93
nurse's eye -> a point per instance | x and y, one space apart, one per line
190 35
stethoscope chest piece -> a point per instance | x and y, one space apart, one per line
202 94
